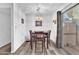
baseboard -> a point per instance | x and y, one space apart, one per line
19 47
5 45
27 40
53 43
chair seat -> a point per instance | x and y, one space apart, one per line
40 39
45 36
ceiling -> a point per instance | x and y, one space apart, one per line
44 8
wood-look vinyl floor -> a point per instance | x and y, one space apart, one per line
5 50
25 49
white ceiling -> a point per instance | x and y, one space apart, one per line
45 8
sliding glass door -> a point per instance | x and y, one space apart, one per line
71 27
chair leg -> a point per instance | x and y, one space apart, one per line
35 45
47 43
49 40
42 45
31 44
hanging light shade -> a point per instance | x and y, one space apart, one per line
38 14
39 18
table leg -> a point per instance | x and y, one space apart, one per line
47 43
31 43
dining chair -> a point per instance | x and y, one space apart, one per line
39 36
47 37
32 37
49 32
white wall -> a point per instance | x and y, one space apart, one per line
47 24
5 24
19 28
54 28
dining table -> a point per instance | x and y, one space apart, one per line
45 37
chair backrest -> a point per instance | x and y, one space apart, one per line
49 32
30 33
39 35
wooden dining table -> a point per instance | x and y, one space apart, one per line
45 36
